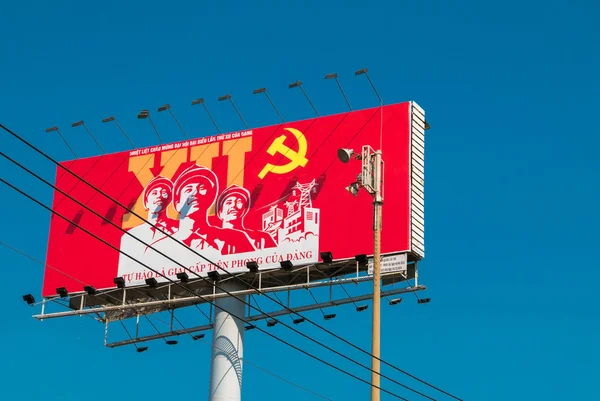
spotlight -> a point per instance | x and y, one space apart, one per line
294 84
252 266
345 154
183 276
143 114
108 119
259 90
62 291
224 97
151 282
286 265
331 76
165 107
427 126
361 259
327 257
197 101
299 320
214 275
119 281
198 337
55 128
249 327
424 300
353 188
272 322
142 349
77 124
362 308
360 72
90 290
171 342
395 301
329 317
29 299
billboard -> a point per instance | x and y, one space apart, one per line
268 195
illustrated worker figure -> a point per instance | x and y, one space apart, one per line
232 206
195 191
157 196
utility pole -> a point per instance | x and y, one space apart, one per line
376 328
371 179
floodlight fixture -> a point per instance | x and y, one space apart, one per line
294 84
362 308
299 320
286 265
272 322
424 300
197 101
55 128
183 277
62 291
77 124
353 188
427 126
151 282
142 349
331 76
214 275
395 301
224 97
165 107
171 342
249 327
108 119
252 266
327 257
29 299
143 114
345 155
330 316
90 290
259 90
198 337
360 72
119 281
361 259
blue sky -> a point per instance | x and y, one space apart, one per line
510 89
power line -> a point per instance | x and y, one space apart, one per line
312 322
191 271
193 293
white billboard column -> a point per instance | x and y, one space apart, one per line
227 346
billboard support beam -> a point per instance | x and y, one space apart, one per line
227 347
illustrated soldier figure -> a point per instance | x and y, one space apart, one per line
195 191
232 206
157 196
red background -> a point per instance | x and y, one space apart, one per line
346 221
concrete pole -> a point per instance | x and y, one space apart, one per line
227 346
375 349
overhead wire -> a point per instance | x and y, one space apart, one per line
199 296
229 273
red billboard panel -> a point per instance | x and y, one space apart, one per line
268 194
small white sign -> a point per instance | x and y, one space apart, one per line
390 263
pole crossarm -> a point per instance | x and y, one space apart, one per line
282 312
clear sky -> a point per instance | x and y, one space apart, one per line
510 89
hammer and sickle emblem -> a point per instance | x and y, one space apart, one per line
296 159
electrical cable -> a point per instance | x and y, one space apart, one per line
326 330
196 295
